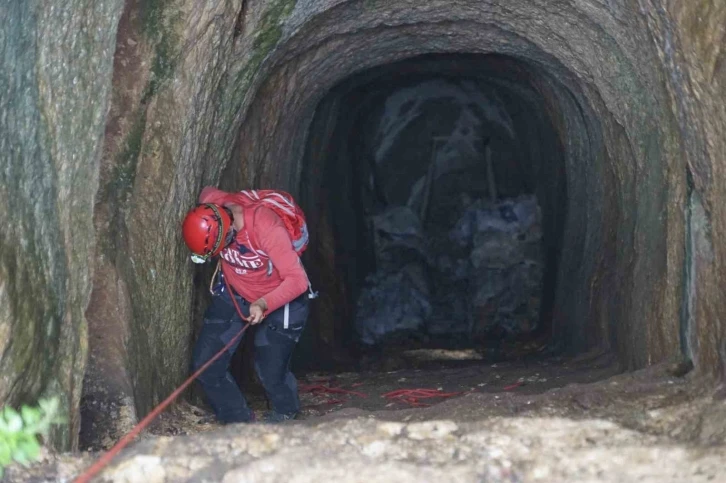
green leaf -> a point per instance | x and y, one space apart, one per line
19 431
15 422
31 448
5 453
20 457
49 406
30 415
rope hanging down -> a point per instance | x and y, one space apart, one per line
109 455
86 476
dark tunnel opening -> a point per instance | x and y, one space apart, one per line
442 181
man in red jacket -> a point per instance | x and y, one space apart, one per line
269 284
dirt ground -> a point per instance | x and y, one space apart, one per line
437 374
664 400
665 403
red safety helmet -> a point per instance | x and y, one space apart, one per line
205 229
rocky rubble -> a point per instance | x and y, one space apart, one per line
365 450
642 426
482 278
396 297
506 265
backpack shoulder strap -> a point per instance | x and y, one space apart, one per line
249 216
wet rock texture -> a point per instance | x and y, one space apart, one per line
182 70
691 43
634 88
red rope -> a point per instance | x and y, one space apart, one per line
412 396
106 458
109 455
319 388
329 392
513 386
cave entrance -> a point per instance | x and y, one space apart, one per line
440 211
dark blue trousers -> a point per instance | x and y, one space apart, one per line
274 344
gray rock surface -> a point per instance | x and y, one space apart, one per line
55 83
648 425
395 298
393 303
482 279
506 263
363 450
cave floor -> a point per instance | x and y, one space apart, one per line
417 379
453 384
527 419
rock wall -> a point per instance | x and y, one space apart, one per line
55 80
690 39
183 69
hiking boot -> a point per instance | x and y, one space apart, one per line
242 418
272 417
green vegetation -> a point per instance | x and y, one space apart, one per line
158 23
270 26
19 431
266 37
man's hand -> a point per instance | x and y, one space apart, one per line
257 311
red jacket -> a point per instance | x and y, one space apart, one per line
245 265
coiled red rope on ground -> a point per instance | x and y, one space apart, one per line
412 396
321 389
